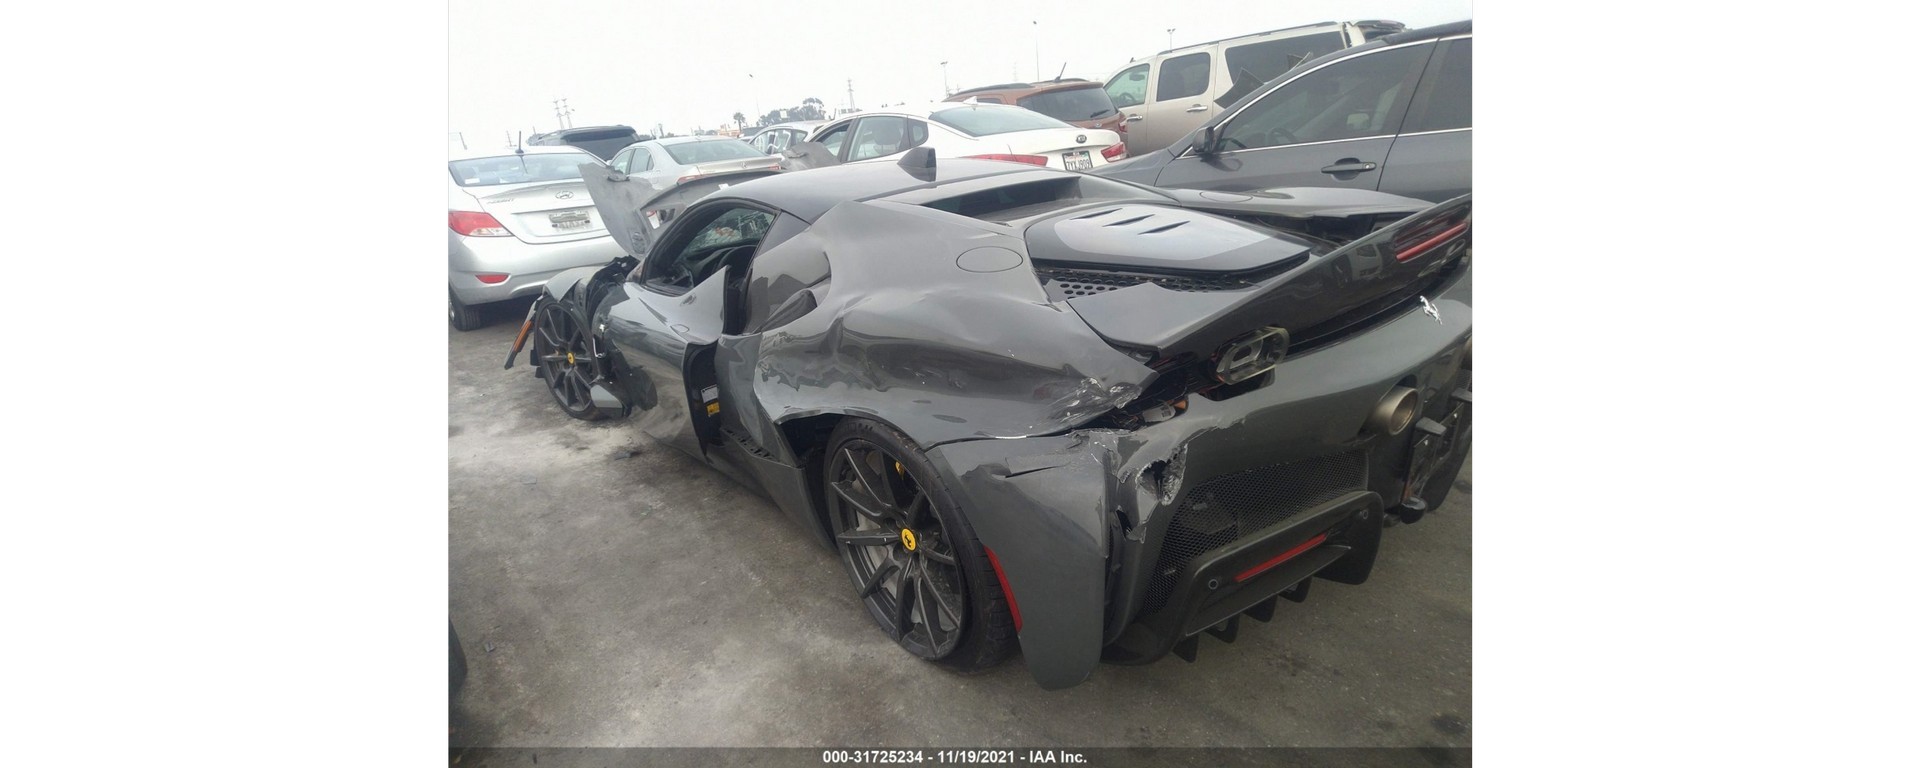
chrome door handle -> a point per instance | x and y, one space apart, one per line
1197 108
1135 118
1349 165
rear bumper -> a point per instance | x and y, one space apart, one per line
1124 545
528 266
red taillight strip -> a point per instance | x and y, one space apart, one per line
1283 557
1429 243
1004 589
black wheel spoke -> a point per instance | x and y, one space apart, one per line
938 557
916 510
864 505
876 484
878 538
932 605
878 578
903 605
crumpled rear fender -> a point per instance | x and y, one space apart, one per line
1040 504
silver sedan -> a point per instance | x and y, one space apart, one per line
514 219
666 162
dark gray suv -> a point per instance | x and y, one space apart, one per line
1394 115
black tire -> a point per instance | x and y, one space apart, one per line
910 539
562 356
463 317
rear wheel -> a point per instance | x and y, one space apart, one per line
913 558
566 361
463 317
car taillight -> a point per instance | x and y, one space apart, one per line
475 224
491 278
1115 152
1028 159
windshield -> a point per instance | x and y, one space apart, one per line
692 152
986 121
1071 104
518 169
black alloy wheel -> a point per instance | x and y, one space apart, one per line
565 360
912 554
898 552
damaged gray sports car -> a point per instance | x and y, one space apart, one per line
1037 409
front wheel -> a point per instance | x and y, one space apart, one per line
565 360
913 558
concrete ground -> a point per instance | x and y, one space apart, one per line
610 591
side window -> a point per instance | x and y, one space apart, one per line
716 242
1445 100
642 159
1129 88
761 141
620 160
916 134
835 137
1349 99
1183 76
878 137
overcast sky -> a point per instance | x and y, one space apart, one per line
687 64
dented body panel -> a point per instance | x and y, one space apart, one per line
1078 432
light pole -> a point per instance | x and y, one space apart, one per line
944 86
755 86
1036 51
1170 38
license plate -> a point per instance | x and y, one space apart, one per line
569 220
1078 161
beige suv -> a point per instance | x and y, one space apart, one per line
1166 96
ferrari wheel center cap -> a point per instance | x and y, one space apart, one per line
570 359
907 539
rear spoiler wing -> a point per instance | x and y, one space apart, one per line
1367 270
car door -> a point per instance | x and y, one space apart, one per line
1329 127
1178 102
1433 157
1128 92
668 314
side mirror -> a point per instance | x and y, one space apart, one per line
1207 141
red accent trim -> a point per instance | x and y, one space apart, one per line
1428 244
1007 590
1283 557
1028 159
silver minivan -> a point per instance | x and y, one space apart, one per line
1166 96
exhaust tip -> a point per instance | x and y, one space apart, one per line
1394 411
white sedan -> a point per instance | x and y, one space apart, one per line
987 131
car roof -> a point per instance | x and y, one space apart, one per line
1024 89
1197 46
670 140
795 124
530 149
925 111
810 194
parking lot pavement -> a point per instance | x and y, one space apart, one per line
612 592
